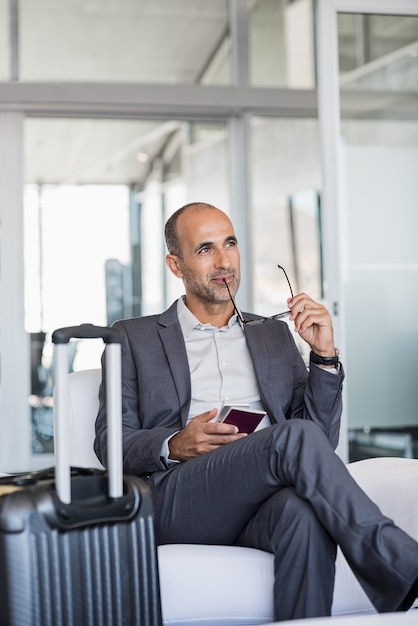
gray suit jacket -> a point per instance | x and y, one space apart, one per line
156 386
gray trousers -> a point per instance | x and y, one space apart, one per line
284 490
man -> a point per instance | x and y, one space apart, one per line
282 489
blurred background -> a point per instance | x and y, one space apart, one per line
298 118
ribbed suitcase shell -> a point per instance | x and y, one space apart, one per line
97 574
78 549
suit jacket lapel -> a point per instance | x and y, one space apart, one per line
175 349
258 350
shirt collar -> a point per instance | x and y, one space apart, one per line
188 321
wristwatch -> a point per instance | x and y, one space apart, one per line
326 360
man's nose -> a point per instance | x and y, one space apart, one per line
222 258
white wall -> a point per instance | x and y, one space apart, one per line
380 284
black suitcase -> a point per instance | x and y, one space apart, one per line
77 548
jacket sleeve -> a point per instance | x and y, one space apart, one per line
149 415
288 389
319 399
323 401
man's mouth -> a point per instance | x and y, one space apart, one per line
221 280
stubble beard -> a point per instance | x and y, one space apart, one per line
211 292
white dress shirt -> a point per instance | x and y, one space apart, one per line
221 369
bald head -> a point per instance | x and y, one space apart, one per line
171 232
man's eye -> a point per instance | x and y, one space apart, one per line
204 250
231 244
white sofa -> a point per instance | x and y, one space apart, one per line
383 619
222 585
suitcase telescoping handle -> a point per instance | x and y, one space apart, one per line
60 339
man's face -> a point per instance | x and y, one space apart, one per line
210 254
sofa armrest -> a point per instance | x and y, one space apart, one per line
392 483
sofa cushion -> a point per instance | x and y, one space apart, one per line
383 619
223 585
214 585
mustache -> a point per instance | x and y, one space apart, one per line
222 275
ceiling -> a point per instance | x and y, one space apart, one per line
77 151
157 41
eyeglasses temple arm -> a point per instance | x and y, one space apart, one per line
233 302
287 278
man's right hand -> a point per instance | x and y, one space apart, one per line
200 436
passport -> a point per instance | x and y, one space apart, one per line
246 419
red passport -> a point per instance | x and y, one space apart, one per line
247 420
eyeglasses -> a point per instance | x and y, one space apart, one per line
260 320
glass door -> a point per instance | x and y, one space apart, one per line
369 117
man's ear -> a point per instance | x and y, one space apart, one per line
173 264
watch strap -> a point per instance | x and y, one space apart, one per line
325 360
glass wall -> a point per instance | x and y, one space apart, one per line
114 186
281 38
378 148
286 184
381 271
378 51
381 223
75 235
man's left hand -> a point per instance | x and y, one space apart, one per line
313 323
